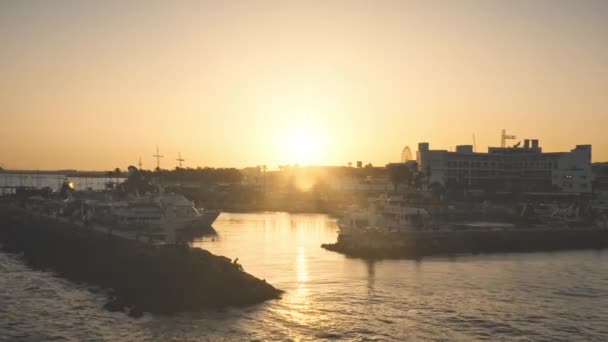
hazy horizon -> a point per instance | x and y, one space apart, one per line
97 85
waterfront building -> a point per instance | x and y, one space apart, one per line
368 184
600 179
514 169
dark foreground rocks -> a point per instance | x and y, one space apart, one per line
416 245
140 277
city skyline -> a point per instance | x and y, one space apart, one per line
160 161
94 86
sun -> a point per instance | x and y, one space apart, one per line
304 145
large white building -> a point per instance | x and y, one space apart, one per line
509 169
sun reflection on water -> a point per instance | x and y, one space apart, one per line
301 266
286 254
296 306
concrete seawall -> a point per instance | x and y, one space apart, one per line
144 277
419 244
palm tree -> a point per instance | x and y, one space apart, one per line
400 173
109 176
437 190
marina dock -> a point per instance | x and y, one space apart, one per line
413 245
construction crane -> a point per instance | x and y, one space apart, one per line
180 160
504 137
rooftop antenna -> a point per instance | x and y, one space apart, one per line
180 160
139 164
157 156
474 144
504 137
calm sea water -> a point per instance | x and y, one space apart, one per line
560 296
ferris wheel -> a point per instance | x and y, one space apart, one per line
406 154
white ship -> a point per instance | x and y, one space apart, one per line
150 211
385 214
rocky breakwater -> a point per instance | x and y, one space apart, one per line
140 277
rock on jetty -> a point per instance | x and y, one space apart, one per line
146 278
413 245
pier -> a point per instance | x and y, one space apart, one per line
413 245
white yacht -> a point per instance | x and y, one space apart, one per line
152 211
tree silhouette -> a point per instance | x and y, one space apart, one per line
437 190
399 174
117 173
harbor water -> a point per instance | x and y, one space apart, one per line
560 296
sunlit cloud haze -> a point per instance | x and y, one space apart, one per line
97 84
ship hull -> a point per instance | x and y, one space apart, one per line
204 220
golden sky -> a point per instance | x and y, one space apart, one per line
97 84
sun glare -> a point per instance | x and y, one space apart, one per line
304 146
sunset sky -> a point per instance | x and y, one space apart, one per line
97 84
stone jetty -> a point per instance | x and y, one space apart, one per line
140 277
413 245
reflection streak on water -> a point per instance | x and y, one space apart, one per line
301 267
